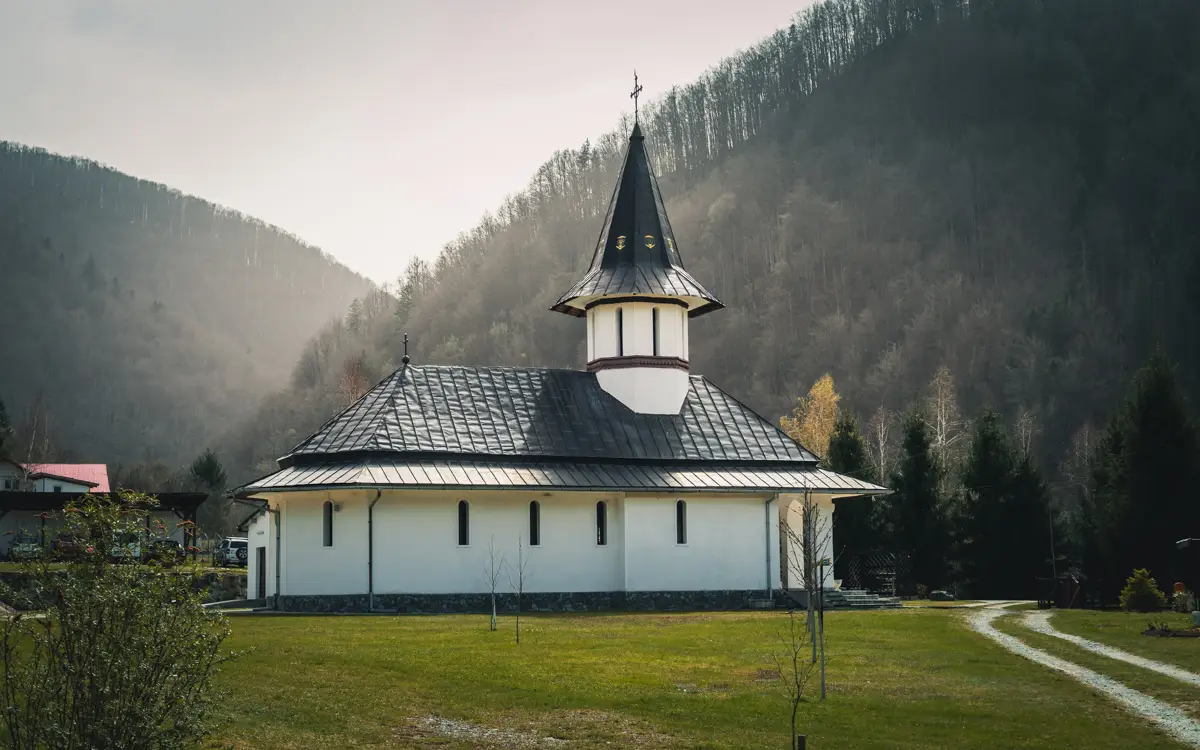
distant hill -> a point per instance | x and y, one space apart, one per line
144 321
1009 188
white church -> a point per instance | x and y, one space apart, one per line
631 484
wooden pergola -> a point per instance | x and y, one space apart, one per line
183 504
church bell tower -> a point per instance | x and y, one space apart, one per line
637 297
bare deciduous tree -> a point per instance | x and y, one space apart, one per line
516 578
879 441
948 429
493 571
794 670
1026 430
813 538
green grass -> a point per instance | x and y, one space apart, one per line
897 679
1124 630
1179 694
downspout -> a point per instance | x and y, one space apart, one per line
767 527
371 551
275 512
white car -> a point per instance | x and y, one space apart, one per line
233 551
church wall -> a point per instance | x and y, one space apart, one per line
308 566
728 539
417 551
638 320
791 514
260 534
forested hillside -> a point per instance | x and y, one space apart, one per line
137 322
1006 188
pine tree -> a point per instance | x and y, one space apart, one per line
1144 475
916 510
855 530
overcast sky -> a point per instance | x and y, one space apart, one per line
374 128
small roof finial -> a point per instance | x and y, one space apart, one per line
406 359
637 89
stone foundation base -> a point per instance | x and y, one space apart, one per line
599 601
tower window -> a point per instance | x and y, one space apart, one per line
620 332
464 523
327 524
654 320
535 523
680 522
602 523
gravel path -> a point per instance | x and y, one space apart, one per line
1039 622
1170 719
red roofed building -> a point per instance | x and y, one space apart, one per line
68 477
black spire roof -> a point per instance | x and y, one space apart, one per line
637 253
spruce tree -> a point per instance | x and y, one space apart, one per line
5 430
854 527
1004 523
916 511
1145 474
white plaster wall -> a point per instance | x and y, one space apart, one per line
417 551
309 567
647 390
638 321
47 485
730 544
260 534
790 514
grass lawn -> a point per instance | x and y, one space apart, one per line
1124 630
1179 694
907 678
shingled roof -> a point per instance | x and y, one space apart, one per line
637 253
438 412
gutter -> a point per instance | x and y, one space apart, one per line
371 551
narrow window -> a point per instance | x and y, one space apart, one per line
535 523
654 320
680 522
58 488
327 524
602 523
620 332
464 523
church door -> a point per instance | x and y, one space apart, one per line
260 571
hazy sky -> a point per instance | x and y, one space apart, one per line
374 129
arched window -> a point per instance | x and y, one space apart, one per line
680 522
602 523
535 523
654 321
620 332
464 523
327 524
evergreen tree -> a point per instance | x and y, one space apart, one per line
915 509
5 430
1004 523
1144 475
855 530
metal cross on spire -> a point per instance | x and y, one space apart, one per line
637 89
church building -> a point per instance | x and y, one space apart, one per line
630 484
